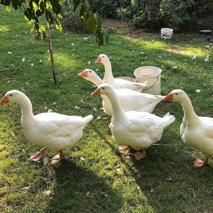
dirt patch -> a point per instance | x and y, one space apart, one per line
124 28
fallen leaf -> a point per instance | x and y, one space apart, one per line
13 134
206 59
82 158
25 189
47 192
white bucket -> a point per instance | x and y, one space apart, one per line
152 75
166 33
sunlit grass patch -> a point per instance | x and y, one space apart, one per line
4 28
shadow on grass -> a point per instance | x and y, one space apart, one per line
80 190
171 184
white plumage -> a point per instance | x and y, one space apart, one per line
195 131
130 100
51 130
117 83
136 129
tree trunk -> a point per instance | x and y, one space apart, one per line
51 56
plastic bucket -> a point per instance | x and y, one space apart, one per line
152 75
166 33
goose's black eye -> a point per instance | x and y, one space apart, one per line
176 93
11 94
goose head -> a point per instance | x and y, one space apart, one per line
177 95
87 74
102 59
90 75
103 89
12 96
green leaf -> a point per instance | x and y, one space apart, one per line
42 28
48 5
76 4
58 27
29 14
35 6
49 17
92 23
56 6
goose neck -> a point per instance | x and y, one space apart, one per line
189 113
97 80
108 76
26 110
117 111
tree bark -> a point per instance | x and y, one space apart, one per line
51 56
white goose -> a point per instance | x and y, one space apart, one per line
130 100
51 130
136 129
116 82
195 131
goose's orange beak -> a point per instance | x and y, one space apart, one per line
96 92
98 60
83 74
169 97
4 100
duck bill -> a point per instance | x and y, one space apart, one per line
83 74
96 92
98 60
4 100
168 97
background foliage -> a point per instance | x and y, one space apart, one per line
35 10
153 14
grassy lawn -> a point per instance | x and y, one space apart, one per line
95 178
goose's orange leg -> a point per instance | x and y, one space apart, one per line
38 155
200 163
57 158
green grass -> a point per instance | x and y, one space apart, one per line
95 178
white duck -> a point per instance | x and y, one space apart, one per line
117 82
130 100
195 131
51 130
136 129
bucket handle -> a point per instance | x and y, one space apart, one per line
157 79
